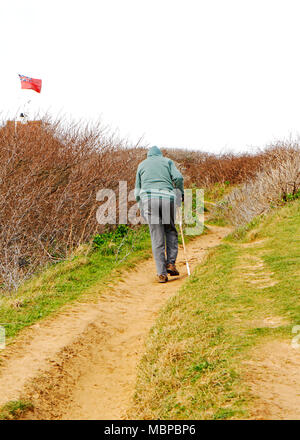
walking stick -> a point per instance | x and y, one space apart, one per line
182 237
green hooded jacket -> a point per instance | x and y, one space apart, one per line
157 176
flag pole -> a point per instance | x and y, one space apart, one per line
32 84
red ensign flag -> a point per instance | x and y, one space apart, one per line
30 83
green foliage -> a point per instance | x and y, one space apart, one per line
217 191
121 239
108 243
224 413
14 409
291 196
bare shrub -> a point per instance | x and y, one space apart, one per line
49 176
279 179
205 169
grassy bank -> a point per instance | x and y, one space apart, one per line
91 268
80 277
193 366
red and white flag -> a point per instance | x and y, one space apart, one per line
30 83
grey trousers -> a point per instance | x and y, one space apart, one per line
160 215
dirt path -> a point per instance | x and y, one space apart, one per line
82 363
273 376
272 372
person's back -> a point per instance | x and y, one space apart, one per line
157 178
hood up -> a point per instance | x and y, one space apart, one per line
154 151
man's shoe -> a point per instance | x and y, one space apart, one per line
171 269
162 278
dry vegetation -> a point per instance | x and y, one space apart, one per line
276 183
205 169
50 172
49 176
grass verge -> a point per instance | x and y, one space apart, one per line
193 365
70 280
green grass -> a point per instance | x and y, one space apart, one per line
83 276
14 409
193 368
213 195
217 191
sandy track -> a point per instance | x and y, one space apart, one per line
273 376
82 363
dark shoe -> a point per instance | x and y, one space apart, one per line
162 278
171 269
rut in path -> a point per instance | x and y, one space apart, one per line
82 363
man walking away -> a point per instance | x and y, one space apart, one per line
158 189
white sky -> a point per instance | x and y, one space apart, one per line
204 74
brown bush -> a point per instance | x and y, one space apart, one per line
279 180
205 169
49 176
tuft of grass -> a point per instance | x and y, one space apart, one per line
15 409
239 234
193 366
226 413
213 202
217 191
291 196
112 242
